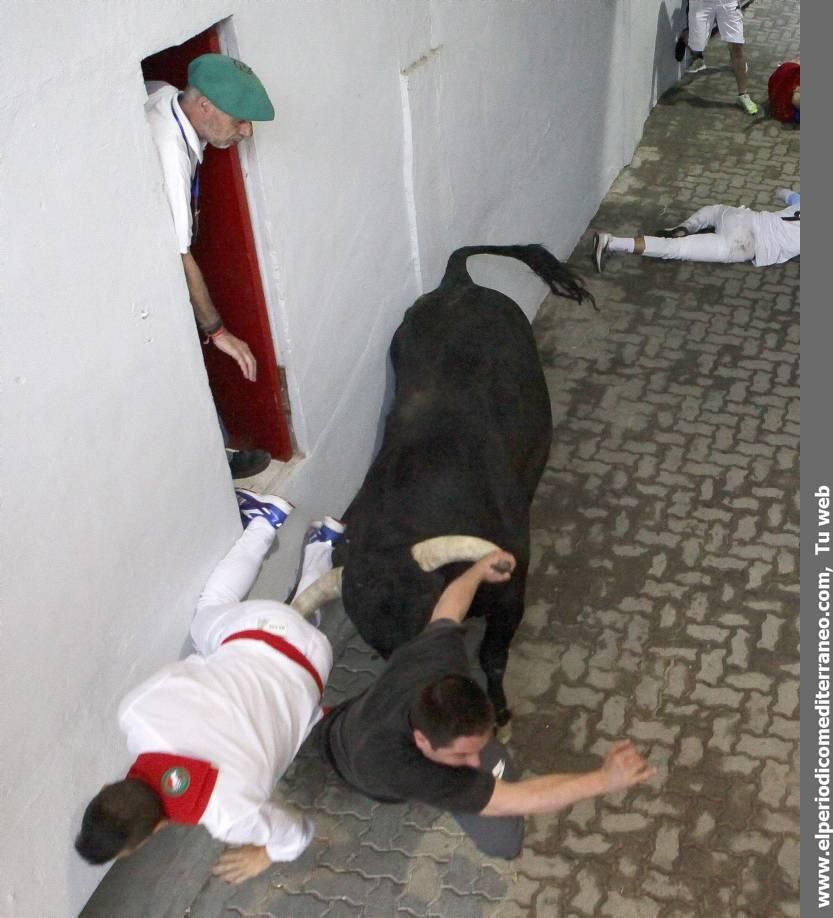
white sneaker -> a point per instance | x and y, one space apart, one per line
698 65
600 243
746 103
327 530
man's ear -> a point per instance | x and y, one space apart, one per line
422 742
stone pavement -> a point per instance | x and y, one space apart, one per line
663 594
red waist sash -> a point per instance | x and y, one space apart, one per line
282 646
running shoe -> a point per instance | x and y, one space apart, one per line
600 242
746 103
328 530
273 509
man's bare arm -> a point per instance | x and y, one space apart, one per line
208 318
204 309
623 767
457 597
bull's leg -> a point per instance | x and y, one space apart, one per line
501 622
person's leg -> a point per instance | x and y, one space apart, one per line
737 56
231 580
700 21
711 247
606 244
733 239
495 836
318 552
262 515
735 245
706 217
730 24
243 463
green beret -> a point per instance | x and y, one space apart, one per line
231 86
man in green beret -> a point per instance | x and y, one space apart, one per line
222 99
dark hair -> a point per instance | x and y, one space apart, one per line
452 707
121 815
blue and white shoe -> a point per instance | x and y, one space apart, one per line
317 556
327 530
273 509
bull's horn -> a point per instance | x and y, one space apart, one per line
327 587
433 553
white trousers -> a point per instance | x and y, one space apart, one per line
733 239
221 610
221 602
318 559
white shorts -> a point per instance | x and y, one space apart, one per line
702 15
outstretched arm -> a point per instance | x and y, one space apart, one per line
208 318
456 598
623 767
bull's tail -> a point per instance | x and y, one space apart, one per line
562 280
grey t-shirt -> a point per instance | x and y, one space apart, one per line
369 739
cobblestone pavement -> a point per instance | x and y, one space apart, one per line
663 594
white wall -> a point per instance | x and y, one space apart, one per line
403 130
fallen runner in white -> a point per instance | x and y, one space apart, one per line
213 733
740 234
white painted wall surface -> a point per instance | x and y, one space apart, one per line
404 129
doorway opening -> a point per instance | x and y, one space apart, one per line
255 413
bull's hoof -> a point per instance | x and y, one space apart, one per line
502 717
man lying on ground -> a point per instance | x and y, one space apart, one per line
740 234
424 731
214 732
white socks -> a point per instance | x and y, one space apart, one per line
318 559
621 244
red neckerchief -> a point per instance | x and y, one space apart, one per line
282 646
184 785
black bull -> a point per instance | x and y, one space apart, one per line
464 446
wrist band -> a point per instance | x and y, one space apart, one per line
220 331
211 327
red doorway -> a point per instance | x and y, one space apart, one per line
254 413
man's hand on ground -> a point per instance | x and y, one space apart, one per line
624 766
240 864
238 350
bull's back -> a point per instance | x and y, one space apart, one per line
464 336
469 430
468 365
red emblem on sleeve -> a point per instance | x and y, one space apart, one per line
184 785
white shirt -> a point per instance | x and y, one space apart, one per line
179 158
776 240
246 708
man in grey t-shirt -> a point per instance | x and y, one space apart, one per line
424 731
